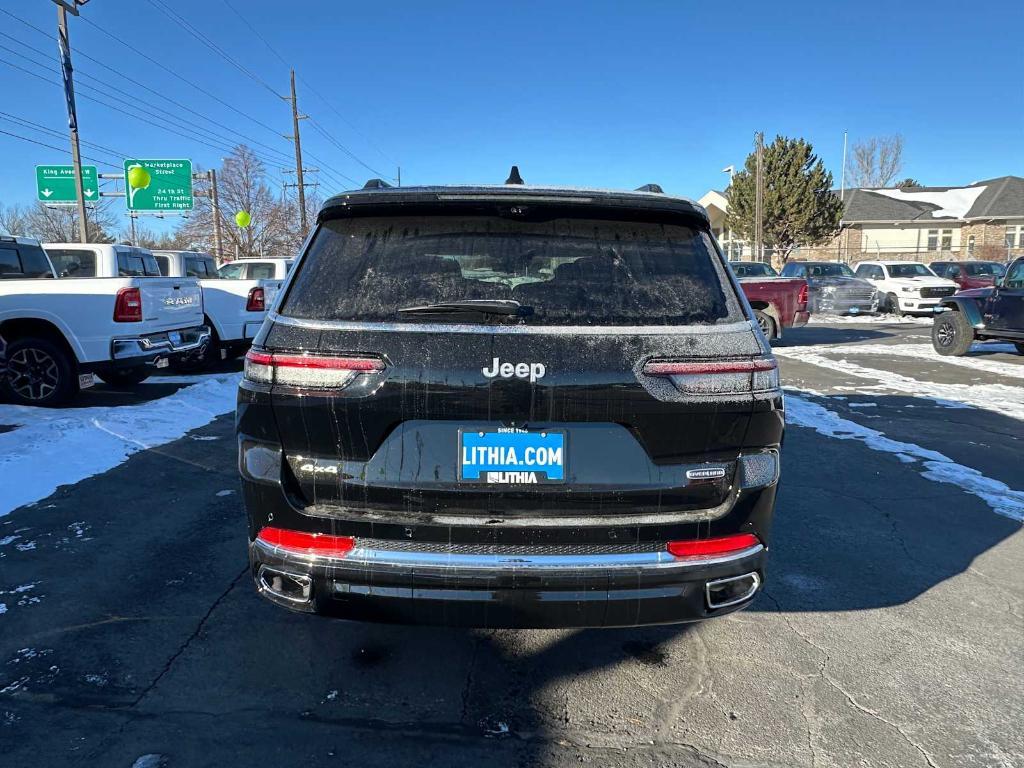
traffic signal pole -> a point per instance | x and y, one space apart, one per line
69 97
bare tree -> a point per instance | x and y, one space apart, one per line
242 186
876 161
14 219
58 224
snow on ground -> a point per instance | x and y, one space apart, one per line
879 319
927 352
1002 399
802 412
60 447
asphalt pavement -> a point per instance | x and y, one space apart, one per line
890 632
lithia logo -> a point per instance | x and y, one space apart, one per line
179 301
531 371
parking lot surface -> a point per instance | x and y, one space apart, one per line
890 632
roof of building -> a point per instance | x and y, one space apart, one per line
999 198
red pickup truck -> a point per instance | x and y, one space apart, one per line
778 302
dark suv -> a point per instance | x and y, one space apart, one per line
510 407
995 313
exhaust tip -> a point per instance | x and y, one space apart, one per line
293 588
722 593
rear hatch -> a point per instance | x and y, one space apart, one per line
499 360
170 303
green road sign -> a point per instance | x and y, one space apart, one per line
158 185
55 184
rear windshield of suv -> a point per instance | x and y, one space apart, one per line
569 271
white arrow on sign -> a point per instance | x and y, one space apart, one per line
47 192
88 193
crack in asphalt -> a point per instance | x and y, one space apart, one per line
188 641
823 674
468 685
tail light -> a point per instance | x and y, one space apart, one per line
723 545
257 301
128 306
312 371
802 298
717 377
302 543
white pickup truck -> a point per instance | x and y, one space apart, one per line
262 269
58 333
235 308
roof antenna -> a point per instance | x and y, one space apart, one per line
651 188
514 177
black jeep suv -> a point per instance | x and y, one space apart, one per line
994 313
510 407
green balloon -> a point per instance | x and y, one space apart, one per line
138 177
243 219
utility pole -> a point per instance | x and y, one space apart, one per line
842 184
298 156
759 196
215 205
399 175
64 43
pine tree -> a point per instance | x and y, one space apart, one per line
800 207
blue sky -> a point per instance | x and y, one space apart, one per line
585 93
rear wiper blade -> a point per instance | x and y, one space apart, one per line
507 307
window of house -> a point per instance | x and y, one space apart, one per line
940 238
970 245
1015 236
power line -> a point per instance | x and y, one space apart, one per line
59 134
58 149
331 106
210 44
142 85
343 148
121 110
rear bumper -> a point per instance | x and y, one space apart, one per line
372 583
149 348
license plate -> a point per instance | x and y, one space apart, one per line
510 456
162 362
86 380
175 337
854 310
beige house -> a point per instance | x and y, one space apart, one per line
984 220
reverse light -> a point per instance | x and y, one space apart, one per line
312 371
128 306
722 545
257 301
717 377
303 543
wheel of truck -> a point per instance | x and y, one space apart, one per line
39 372
124 377
766 322
892 304
952 335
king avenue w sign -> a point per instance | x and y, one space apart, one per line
55 184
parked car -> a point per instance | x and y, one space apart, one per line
833 288
59 333
752 269
235 308
969 274
510 406
777 302
908 287
257 269
995 313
